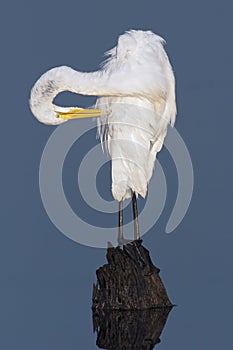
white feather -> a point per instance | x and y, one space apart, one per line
136 89
135 127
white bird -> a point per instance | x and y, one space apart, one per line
136 103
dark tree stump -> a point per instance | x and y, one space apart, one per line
129 330
129 281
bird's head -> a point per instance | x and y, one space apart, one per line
47 87
42 95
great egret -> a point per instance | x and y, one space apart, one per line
136 102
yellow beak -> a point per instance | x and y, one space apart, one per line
76 113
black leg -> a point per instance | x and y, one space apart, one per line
121 239
135 217
120 222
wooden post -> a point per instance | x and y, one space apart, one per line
129 281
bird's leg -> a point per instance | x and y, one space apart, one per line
120 222
138 258
135 217
121 239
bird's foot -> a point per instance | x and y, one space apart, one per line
134 253
123 241
140 258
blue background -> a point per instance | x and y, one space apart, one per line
45 278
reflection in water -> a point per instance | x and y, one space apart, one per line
130 330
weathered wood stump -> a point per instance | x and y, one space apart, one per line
129 281
129 330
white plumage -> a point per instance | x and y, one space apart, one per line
136 90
